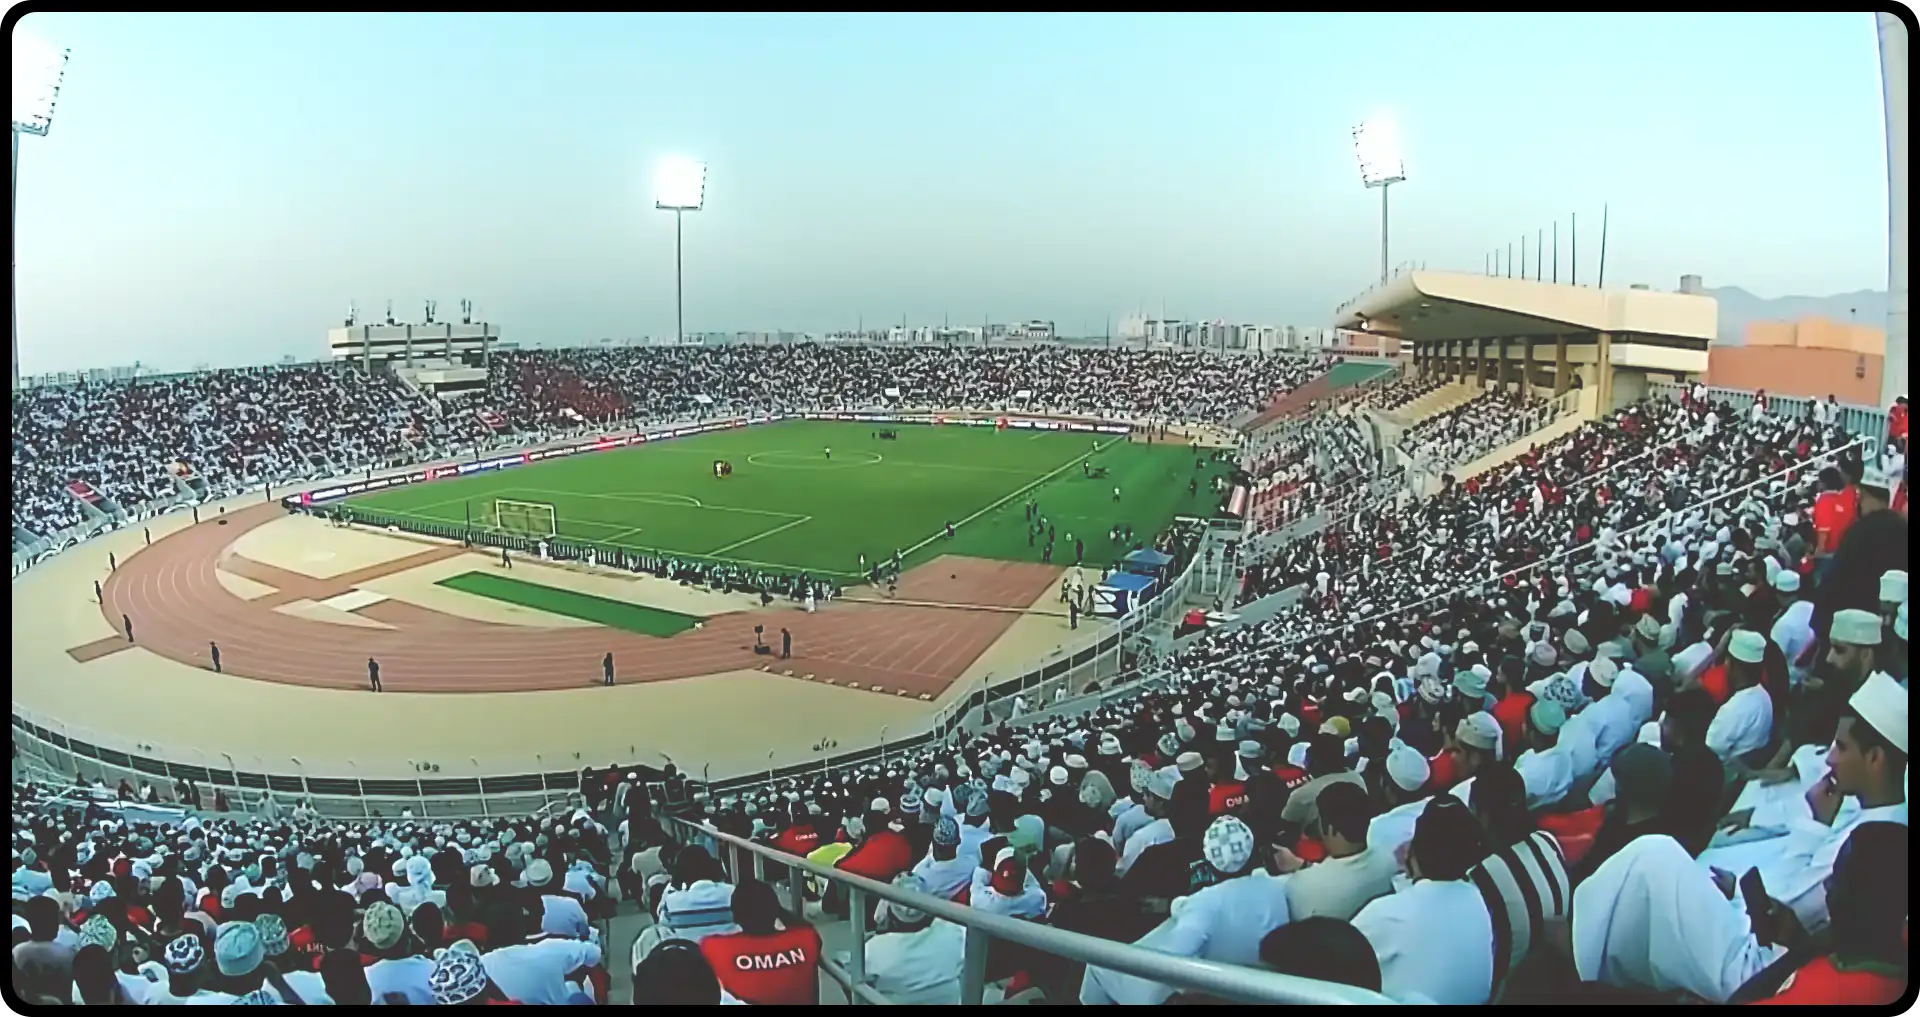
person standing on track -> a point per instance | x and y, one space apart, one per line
373 674
786 645
127 624
213 650
506 559
111 563
606 669
97 598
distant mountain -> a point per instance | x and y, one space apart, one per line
1737 307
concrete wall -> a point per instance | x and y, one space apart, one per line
1797 370
1820 334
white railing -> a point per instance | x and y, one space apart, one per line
1223 981
1863 421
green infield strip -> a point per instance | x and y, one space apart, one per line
648 621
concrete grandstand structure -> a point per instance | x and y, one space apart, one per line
1539 336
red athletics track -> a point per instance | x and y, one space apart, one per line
177 604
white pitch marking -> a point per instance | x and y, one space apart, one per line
759 536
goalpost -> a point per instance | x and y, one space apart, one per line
535 519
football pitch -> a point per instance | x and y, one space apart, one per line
789 505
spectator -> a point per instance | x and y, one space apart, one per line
774 960
1434 939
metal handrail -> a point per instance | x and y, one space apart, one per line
1226 981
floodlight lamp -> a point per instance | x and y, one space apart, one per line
680 185
1377 144
38 69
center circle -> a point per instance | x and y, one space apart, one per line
782 459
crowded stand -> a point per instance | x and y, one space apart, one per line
129 443
1401 391
1623 720
1474 428
1293 472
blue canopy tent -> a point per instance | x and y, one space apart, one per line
1147 562
1122 592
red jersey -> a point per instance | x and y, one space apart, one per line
1511 712
1225 798
305 950
1292 776
1826 982
780 969
797 840
1714 680
1896 422
1833 512
882 856
1443 772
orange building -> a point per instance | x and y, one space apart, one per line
1812 357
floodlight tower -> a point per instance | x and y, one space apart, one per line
1378 146
1893 83
38 70
679 186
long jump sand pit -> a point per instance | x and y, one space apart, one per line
311 547
328 615
242 587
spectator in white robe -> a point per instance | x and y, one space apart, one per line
1008 888
1607 723
1778 793
1159 827
551 972
1352 874
419 886
945 870
1650 918
1865 783
561 912
914 957
1434 938
1744 723
1793 629
1544 767
1224 922
1130 813
1391 831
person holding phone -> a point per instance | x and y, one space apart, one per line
1865 963
1867 763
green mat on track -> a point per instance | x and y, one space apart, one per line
615 614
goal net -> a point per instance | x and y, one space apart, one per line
524 518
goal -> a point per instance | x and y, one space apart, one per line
524 518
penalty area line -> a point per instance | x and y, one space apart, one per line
759 536
1070 464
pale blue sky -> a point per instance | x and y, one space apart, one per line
217 188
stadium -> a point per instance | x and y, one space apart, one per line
1479 654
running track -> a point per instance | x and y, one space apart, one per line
177 603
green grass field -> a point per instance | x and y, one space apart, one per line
787 505
648 621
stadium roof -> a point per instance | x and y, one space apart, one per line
1439 306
